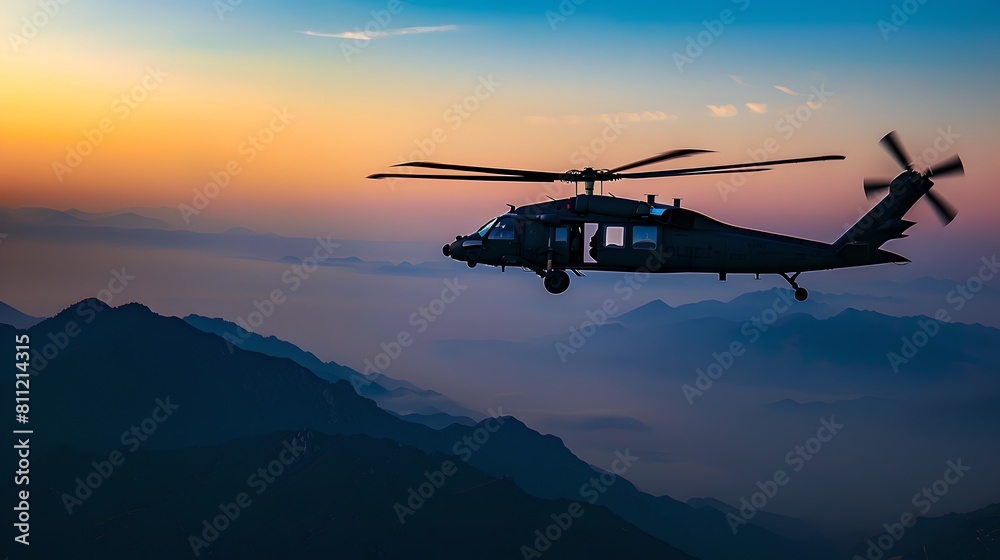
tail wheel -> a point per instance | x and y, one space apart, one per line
801 294
556 281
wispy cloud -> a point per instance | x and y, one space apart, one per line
757 107
369 35
599 420
645 116
722 110
538 119
786 90
737 79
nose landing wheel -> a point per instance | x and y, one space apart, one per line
556 281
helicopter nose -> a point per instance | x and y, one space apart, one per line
454 250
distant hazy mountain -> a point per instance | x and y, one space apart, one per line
165 228
436 421
120 219
221 395
14 318
789 527
406 399
849 351
819 305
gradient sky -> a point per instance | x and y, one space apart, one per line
228 71
201 87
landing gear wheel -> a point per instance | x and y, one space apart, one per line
556 281
800 293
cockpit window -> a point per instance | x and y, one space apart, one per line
503 230
486 227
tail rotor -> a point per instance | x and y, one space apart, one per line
911 178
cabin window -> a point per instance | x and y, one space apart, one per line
614 236
562 236
503 230
644 237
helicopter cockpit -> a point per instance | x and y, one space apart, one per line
486 227
504 229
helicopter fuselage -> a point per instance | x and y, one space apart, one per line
602 233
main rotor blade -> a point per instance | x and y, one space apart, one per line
688 173
944 210
512 179
673 154
474 169
951 166
891 143
736 167
873 186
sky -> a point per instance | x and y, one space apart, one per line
270 115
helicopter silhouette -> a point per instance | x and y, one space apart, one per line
628 235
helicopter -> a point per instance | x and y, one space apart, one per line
627 235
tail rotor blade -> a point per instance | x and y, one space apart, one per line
944 210
891 143
951 166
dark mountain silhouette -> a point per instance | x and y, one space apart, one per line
973 535
223 395
334 494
